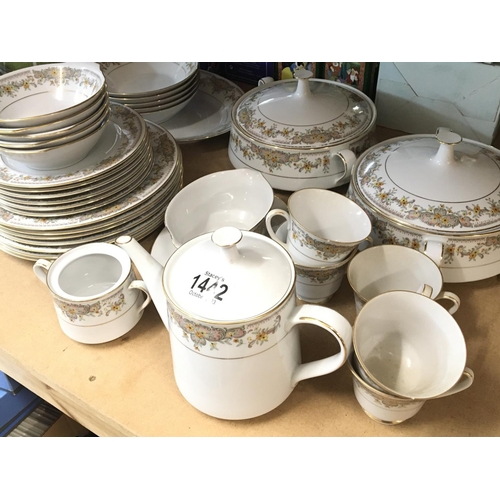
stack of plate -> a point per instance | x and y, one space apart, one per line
52 115
156 90
122 187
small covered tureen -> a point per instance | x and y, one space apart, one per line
301 133
439 194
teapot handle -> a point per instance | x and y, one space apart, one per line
335 324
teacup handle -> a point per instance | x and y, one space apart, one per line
453 298
335 324
464 383
41 268
140 285
270 215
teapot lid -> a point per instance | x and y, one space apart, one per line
303 113
228 276
440 183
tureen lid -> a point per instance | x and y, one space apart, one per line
228 275
439 183
303 113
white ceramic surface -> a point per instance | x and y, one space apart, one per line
257 350
409 345
46 93
96 295
208 114
384 268
239 198
324 227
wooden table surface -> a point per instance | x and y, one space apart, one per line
126 387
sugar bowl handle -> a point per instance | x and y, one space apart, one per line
41 268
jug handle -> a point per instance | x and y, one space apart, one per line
140 285
335 324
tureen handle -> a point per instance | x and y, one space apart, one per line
41 268
348 159
335 324
448 140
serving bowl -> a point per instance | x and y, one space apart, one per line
48 93
301 133
238 198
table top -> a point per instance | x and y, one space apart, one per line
127 387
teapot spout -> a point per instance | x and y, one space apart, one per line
150 270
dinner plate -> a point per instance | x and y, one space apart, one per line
208 114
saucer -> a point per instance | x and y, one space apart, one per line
163 246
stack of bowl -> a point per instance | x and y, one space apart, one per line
52 115
156 90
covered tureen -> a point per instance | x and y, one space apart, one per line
437 193
301 133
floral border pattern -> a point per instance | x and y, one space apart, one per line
81 312
377 188
275 160
55 76
477 249
336 131
320 276
324 251
201 335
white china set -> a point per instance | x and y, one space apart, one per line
236 271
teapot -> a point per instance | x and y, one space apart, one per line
227 299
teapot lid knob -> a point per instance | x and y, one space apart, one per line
226 237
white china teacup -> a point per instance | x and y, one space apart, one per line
384 268
381 407
323 227
95 292
411 347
